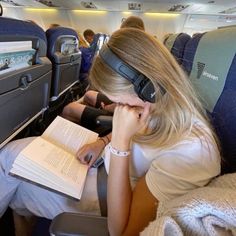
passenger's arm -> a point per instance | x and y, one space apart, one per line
128 212
89 153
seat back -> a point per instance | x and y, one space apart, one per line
176 45
212 70
24 91
65 57
189 52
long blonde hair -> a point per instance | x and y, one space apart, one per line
176 109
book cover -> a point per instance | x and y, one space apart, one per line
49 160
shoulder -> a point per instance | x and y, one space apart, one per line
189 164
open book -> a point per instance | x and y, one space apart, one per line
49 160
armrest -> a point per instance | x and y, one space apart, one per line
104 120
73 224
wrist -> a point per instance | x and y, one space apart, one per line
118 152
121 145
105 140
102 141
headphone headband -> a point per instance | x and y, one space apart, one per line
142 85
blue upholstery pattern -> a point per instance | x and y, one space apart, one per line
224 120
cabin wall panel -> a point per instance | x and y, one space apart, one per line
109 21
106 22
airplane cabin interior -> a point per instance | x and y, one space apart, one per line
43 68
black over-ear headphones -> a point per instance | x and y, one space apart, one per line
142 85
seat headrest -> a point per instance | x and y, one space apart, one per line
55 36
213 75
176 45
14 29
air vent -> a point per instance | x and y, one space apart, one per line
11 2
47 3
134 6
178 7
88 5
229 11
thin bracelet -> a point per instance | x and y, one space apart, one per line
118 153
103 141
107 139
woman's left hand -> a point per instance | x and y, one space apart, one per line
127 121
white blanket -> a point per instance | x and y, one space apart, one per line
210 210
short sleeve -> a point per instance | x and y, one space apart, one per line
182 169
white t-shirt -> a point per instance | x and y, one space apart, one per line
173 171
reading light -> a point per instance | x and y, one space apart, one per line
126 12
89 11
40 9
161 14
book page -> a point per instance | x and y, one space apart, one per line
52 158
68 135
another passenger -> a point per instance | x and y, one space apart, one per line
162 145
53 25
133 22
89 35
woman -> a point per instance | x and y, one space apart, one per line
158 150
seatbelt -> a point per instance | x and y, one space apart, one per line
102 189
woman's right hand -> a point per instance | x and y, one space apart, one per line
89 153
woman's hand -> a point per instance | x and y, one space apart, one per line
108 107
127 121
89 153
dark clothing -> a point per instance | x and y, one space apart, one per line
102 98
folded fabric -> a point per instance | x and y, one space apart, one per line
163 226
210 210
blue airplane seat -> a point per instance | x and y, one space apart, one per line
65 56
176 45
189 52
24 90
210 60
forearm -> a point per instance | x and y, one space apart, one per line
119 194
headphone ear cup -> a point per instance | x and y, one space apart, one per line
145 90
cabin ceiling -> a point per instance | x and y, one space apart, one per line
227 7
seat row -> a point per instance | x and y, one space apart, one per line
209 59
27 93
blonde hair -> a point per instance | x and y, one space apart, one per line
175 110
82 41
133 22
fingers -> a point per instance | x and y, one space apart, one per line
102 105
146 112
83 155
